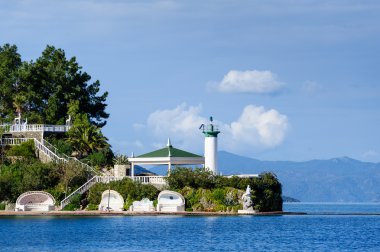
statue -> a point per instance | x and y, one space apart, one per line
68 121
247 203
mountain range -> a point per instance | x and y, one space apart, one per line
334 180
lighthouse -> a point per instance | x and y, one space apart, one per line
211 132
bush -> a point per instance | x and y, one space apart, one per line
74 204
222 192
130 191
25 150
92 207
2 206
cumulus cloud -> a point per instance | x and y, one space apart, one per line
256 128
252 81
181 120
259 127
180 124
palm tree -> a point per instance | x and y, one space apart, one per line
86 139
19 102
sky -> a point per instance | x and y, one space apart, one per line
283 79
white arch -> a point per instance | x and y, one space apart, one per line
111 199
169 201
35 201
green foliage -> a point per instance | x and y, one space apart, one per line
181 177
99 159
25 150
74 204
62 146
120 159
206 191
130 191
20 177
92 207
86 139
2 206
214 200
45 89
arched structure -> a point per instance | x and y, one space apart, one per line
169 201
35 201
112 201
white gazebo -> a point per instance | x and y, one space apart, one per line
166 156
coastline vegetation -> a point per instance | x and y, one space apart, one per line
52 88
204 191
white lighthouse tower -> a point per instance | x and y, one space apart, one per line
211 146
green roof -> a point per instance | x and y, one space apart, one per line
164 152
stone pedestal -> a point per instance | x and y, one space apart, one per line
247 211
120 170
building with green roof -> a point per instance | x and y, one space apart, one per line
166 156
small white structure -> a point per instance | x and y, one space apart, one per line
111 201
247 203
35 201
169 201
145 205
211 146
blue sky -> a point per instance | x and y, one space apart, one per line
285 80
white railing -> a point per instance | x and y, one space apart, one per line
156 180
48 150
12 128
14 141
67 158
84 188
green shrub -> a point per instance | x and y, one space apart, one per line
25 150
92 207
120 160
74 204
204 191
2 206
128 189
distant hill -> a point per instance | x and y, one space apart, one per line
334 180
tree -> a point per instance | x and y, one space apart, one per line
86 139
10 62
72 175
45 88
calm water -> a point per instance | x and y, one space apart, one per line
175 233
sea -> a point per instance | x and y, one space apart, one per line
325 227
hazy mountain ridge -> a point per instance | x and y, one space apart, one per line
338 179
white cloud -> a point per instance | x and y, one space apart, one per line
256 128
252 81
259 127
181 124
370 154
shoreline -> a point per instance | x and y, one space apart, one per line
127 213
